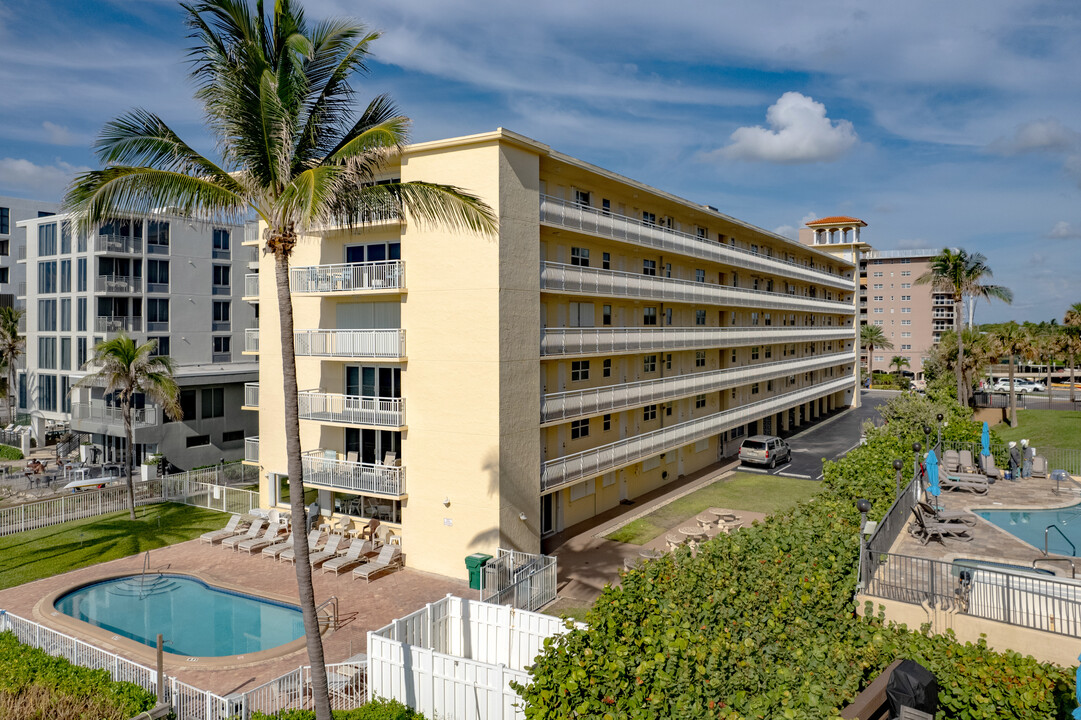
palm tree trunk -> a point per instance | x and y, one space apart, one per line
961 395
1073 393
870 368
126 405
1013 397
305 587
11 392
1049 393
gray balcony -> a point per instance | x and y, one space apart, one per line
251 287
98 413
348 277
251 449
118 284
567 342
352 409
350 343
326 469
117 244
251 395
115 324
251 341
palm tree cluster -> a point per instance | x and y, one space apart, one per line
12 347
295 153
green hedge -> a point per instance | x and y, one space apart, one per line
27 672
7 452
762 623
377 709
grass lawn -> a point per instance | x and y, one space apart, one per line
1044 428
740 491
53 550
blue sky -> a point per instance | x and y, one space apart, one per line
937 123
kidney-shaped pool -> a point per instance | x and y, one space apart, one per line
195 619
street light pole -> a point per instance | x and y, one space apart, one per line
938 447
916 448
864 506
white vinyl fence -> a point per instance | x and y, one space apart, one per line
455 659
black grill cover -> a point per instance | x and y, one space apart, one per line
912 685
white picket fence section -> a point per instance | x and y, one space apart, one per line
455 658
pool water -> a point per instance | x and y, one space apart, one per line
1029 525
195 619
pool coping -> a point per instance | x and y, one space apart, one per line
45 611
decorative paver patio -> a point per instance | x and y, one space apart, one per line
376 604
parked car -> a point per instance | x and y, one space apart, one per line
764 450
1021 385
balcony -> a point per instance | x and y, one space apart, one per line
251 449
251 341
101 414
251 396
558 277
571 469
251 287
118 284
352 409
562 406
324 468
348 277
573 216
350 343
117 244
251 234
566 342
115 324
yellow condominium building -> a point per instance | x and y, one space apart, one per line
474 392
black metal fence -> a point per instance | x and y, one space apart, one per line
891 525
997 400
1068 459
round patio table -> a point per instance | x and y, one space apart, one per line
692 532
706 520
650 553
722 514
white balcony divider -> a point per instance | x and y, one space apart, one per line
560 277
570 469
251 449
350 343
353 409
251 285
118 283
251 340
347 277
569 405
573 216
370 478
117 244
113 416
251 394
614 341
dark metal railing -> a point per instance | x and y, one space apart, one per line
1068 459
891 525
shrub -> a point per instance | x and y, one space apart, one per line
377 709
7 452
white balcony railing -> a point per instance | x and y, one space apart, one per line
97 412
251 234
251 340
348 277
352 409
559 277
117 244
322 467
118 284
350 343
614 341
554 211
251 394
251 449
564 471
251 285
568 405
106 324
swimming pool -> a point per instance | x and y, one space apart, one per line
195 619
1029 525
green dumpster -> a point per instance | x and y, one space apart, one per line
473 564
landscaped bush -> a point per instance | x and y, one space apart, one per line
762 624
36 684
377 709
8 452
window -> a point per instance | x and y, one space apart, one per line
767 319
878 298
80 314
221 280
579 370
65 353
80 275
877 274
47 315
649 316
606 206
700 276
581 314
649 412
579 428
649 363
699 401
221 243
905 322
5 221
906 347
157 275
65 398
187 404
905 285
213 402
878 286
197 440
668 317
47 242
65 237
769 385
649 267
906 298
906 310
878 311
47 277
754 388
580 256
606 261
223 344
906 273
668 361
47 392
754 353
157 313
699 358
606 368
754 318
581 197
4 275
162 348
699 317
80 353
606 423
231 436
47 353
221 315
906 334
878 322
157 237
65 276
648 217
606 315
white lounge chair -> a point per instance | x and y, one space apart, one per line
277 549
231 528
253 532
357 553
389 560
329 550
1039 466
314 538
269 538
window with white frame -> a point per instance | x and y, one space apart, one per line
699 358
606 261
699 317
700 276
606 423
579 428
579 370
649 316
606 367
699 401
649 363
649 412
580 256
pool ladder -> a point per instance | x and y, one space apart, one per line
1046 532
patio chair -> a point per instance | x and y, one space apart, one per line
314 538
966 461
359 551
963 481
273 551
329 551
951 461
253 532
987 465
946 516
926 530
389 560
1039 466
231 528
674 541
269 538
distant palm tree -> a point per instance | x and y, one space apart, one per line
125 368
961 274
1073 329
1043 346
1011 340
900 362
296 153
871 336
12 347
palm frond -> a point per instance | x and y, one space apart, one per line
444 205
309 200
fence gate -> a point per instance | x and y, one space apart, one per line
522 580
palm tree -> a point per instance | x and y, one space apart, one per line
295 153
900 362
871 336
1072 323
961 274
1043 345
126 369
1011 340
12 347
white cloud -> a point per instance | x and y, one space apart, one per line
788 231
43 182
58 134
809 217
799 132
1048 135
1064 231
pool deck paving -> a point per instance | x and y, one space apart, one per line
387 597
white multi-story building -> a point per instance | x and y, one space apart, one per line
13 243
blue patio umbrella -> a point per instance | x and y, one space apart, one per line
932 474
985 441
